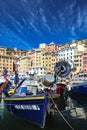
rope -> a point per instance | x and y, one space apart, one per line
61 114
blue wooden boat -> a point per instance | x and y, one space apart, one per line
32 108
79 88
35 106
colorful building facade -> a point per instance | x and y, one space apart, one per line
84 62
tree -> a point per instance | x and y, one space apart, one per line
9 50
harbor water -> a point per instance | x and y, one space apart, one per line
78 122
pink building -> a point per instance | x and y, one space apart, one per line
84 62
52 47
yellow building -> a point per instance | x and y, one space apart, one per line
78 56
24 64
31 55
49 59
45 59
78 62
6 61
3 51
38 57
54 60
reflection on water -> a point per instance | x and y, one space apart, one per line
10 122
77 113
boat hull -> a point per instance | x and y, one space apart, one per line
32 108
80 88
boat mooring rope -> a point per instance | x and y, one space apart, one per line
61 113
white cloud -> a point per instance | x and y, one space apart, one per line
62 18
16 23
25 1
33 26
72 5
79 17
69 9
32 23
82 19
39 1
73 31
44 19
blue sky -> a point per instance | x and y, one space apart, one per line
27 23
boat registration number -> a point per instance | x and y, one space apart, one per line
27 107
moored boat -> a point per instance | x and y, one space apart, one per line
35 104
79 88
32 108
32 104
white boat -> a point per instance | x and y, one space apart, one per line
79 78
79 84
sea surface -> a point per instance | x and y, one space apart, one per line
10 122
